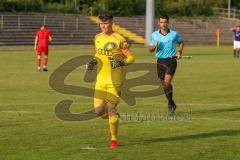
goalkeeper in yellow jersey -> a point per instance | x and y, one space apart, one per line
112 53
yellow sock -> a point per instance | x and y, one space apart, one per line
113 124
104 116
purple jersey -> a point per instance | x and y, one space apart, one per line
236 36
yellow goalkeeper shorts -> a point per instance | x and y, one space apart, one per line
106 93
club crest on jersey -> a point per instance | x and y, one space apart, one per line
110 46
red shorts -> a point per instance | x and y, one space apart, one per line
42 49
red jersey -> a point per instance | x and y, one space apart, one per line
43 37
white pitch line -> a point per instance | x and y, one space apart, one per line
29 104
202 104
180 104
27 112
88 148
208 104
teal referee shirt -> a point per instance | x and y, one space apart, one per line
166 43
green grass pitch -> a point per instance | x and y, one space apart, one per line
208 85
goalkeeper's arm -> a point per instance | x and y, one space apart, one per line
126 50
129 60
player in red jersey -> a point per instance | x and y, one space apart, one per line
43 36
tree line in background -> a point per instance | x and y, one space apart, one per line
117 7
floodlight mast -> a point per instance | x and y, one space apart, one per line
229 9
150 15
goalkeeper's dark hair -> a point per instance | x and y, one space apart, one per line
163 16
105 16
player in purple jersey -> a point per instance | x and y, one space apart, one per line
236 41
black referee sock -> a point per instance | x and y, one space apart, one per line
168 89
238 53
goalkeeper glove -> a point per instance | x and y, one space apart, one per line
90 65
115 64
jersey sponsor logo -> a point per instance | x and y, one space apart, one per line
105 52
108 50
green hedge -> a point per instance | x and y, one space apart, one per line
19 6
117 7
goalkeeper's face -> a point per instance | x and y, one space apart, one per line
106 26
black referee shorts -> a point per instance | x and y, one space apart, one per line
166 66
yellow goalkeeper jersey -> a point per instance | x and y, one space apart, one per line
107 47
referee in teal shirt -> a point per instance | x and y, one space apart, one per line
164 42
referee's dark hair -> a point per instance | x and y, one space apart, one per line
163 16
